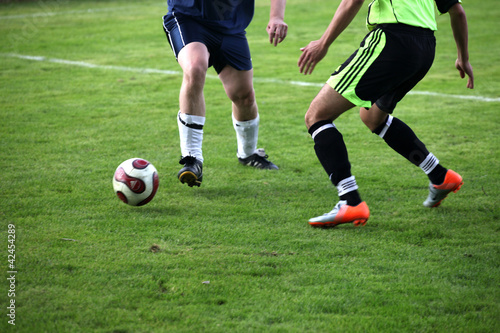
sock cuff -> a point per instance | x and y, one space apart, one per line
191 121
320 126
347 185
246 123
387 124
429 163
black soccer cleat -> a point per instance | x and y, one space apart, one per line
258 160
192 172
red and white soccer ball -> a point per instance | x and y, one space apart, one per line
135 181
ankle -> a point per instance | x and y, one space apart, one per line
437 175
353 198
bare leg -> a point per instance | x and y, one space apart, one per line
193 59
239 88
327 105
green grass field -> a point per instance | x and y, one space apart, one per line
87 84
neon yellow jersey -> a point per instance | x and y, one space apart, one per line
418 13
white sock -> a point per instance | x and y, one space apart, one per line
191 134
247 133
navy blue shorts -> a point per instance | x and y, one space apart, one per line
224 49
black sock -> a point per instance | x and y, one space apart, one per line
332 153
403 140
352 198
437 175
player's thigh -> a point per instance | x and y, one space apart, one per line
238 84
193 59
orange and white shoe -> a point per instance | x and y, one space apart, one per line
437 193
343 213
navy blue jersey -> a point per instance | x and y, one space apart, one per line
227 16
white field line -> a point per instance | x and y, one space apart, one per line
256 79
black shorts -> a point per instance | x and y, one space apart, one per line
224 49
391 60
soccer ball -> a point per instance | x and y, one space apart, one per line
135 181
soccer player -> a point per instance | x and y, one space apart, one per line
393 57
205 33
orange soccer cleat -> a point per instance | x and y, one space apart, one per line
437 193
343 213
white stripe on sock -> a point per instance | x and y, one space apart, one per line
429 163
347 185
386 127
322 128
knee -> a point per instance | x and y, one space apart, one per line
309 118
194 74
242 98
318 112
